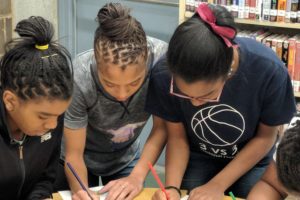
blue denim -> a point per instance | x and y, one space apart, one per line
123 173
202 168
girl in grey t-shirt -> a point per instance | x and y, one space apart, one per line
106 116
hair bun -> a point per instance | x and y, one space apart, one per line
36 28
116 22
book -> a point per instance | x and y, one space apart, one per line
273 11
266 10
281 10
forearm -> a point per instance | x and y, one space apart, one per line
269 187
263 191
81 170
248 157
177 156
151 152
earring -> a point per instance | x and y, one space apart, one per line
230 72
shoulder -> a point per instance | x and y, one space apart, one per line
256 51
259 59
83 61
156 49
160 74
82 71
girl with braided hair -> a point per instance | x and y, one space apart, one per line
36 89
222 99
106 116
282 177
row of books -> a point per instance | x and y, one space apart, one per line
286 47
267 10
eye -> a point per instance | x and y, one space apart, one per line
42 117
135 83
109 85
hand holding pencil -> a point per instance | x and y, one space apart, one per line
85 193
163 194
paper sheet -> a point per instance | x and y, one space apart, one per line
185 197
66 195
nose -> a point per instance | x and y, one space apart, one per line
123 94
196 102
51 124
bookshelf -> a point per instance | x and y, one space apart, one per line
276 27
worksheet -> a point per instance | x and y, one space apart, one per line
66 195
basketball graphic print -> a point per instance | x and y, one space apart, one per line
219 125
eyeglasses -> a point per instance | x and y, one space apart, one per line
194 98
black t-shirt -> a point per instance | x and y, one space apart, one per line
259 92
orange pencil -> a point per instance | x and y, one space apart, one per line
162 187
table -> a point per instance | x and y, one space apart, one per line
144 195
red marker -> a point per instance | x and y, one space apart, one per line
156 177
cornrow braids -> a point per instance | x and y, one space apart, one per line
32 72
120 38
288 159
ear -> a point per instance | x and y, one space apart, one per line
11 100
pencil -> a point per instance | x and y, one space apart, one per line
232 196
156 177
79 180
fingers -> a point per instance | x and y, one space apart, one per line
80 195
115 191
159 195
133 194
125 192
107 187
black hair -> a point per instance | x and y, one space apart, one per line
120 38
31 72
288 158
196 53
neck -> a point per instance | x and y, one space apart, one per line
235 65
15 132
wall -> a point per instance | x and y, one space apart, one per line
25 8
77 20
5 23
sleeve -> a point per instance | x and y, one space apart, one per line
76 115
159 102
279 101
44 186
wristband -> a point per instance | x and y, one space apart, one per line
175 188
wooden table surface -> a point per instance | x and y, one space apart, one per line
144 195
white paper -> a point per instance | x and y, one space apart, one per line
66 195
185 197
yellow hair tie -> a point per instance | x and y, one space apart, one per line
42 47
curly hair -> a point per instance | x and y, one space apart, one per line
288 158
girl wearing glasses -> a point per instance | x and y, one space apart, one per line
106 116
223 99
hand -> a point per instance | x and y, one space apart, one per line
82 195
125 188
160 195
209 191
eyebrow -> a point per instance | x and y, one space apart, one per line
209 93
126 84
48 114
203 96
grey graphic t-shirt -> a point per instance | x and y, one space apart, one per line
112 128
